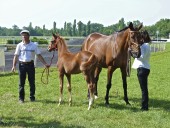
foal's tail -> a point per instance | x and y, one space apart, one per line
90 64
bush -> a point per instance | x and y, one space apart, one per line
35 39
12 41
39 40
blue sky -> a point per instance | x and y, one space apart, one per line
106 12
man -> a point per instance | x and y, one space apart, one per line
25 53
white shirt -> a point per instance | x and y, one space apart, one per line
26 52
143 60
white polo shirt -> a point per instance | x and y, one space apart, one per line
143 60
26 52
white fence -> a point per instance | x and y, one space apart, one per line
158 46
2 59
155 47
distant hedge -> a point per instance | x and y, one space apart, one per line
35 39
13 41
39 40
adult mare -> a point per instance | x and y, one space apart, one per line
112 52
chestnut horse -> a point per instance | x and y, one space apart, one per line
73 63
112 52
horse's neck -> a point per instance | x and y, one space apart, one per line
62 48
122 39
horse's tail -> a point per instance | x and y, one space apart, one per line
92 62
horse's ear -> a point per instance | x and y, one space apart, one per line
131 25
57 34
140 26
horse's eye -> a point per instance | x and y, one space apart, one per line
132 35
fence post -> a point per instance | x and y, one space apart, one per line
2 59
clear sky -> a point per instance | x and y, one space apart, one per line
106 12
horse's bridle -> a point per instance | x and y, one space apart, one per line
130 52
137 44
54 42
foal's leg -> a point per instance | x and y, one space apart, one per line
69 88
90 88
96 78
124 79
61 76
91 100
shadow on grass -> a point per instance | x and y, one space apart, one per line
29 122
47 101
156 103
7 74
153 103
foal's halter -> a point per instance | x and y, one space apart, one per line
55 45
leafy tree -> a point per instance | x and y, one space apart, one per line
96 27
54 27
74 28
80 28
121 24
69 29
88 27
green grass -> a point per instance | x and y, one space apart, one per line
45 113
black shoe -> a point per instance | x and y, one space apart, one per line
144 109
32 100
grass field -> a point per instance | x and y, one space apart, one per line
44 113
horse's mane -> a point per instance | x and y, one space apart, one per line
123 29
62 41
145 36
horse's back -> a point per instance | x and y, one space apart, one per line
91 39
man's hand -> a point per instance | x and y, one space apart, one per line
13 69
47 65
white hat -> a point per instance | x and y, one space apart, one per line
25 31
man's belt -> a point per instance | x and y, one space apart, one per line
30 62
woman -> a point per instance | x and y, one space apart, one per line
143 69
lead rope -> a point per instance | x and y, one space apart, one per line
128 67
46 69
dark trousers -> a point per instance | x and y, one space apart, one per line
143 74
26 69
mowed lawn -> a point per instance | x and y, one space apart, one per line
45 112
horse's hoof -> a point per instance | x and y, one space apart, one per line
70 104
128 104
96 97
107 104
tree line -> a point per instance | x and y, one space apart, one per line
79 29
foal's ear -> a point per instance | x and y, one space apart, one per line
54 35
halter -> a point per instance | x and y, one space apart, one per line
128 67
55 43
131 42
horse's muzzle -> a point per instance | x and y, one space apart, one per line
135 54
